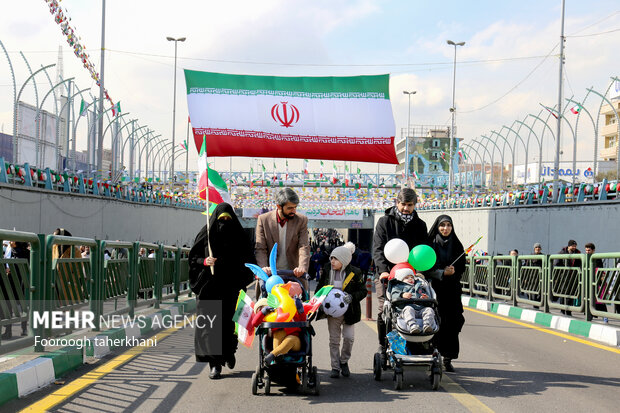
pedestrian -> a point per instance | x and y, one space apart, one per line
571 248
448 270
537 251
400 221
532 278
16 284
219 273
290 231
64 251
596 263
343 276
317 259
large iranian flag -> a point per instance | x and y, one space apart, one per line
339 118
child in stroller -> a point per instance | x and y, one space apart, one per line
411 321
414 318
285 348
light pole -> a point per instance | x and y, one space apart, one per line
408 133
174 93
453 111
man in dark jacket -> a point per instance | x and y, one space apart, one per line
571 248
400 221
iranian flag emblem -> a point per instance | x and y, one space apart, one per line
337 118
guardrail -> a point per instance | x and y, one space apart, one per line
25 175
51 281
565 282
600 191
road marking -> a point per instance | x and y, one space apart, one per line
468 401
548 331
91 377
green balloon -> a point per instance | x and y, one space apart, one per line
422 258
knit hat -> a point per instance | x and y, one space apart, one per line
342 254
401 273
350 246
260 303
537 245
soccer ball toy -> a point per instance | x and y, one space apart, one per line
334 304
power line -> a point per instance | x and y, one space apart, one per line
596 34
327 64
515 86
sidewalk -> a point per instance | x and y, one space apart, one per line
25 371
598 332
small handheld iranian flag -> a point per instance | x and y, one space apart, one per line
575 109
339 118
305 167
315 302
242 318
462 155
210 180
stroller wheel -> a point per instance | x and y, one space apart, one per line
398 381
267 385
254 384
316 380
435 380
304 380
376 367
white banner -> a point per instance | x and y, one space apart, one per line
337 214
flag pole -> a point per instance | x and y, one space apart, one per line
204 137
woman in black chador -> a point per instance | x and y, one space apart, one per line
231 248
447 285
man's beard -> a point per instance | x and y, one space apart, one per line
290 215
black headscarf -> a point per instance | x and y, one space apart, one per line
447 248
232 248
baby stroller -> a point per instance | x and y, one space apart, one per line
292 369
406 349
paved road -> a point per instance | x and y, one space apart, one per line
505 366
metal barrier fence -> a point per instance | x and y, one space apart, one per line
565 282
56 277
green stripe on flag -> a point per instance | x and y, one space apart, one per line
342 84
216 180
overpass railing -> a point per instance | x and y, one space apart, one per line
566 282
57 277
77 183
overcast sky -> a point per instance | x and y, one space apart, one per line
508 66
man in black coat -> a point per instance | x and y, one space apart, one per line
400 221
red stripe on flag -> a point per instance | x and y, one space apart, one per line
240 143
214 195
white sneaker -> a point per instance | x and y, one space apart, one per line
414 329
427 329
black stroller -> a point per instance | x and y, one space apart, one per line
406 349
290 370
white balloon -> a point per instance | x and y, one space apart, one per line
396 251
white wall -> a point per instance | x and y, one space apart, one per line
505 228
41 211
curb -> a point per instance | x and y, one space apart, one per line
597 332
45 369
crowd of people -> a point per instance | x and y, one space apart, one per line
217 273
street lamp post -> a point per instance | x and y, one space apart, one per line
408 133
453 111
174 93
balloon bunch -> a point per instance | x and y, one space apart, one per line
279 296
420 258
